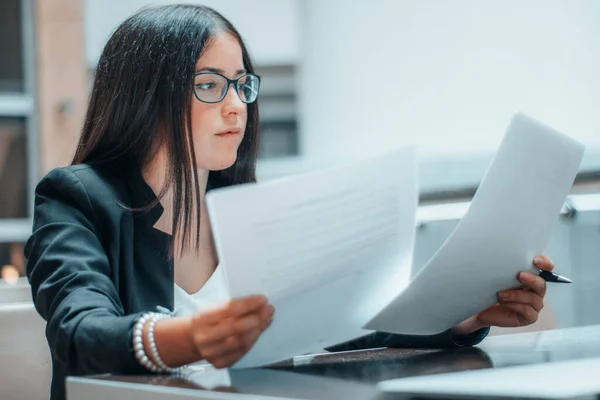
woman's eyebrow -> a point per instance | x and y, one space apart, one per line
220 71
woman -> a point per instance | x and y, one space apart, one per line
124 231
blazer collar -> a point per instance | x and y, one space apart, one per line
142 196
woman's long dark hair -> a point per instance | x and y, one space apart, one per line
141 101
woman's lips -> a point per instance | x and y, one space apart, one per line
230 132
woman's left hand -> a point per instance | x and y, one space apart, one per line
516 307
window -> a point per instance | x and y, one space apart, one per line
13 168
18 138
11 47
277 105
278 139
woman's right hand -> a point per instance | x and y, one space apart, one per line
225 335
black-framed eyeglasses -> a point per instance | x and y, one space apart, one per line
210 87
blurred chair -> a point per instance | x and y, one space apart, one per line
25 370
17 293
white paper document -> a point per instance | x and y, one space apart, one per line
509 221
566 339
556 380
319 245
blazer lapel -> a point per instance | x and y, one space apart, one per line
153 263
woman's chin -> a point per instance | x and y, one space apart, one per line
221 164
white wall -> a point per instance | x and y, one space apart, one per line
269 27
445 75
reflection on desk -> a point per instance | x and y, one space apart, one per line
348 375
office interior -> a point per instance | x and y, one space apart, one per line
341 79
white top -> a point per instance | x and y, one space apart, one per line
211 295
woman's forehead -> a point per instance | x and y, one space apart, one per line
224 52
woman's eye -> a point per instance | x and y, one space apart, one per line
206 85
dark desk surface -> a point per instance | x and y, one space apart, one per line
348 375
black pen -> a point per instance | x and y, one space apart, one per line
552 277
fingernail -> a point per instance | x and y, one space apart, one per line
503 295
522 276
538 260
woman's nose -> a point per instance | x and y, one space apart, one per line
232 102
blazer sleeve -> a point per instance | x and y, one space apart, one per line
443 340
69 273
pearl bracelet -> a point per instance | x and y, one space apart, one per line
138 343
163 367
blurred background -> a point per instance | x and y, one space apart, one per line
340 79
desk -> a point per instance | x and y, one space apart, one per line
347 375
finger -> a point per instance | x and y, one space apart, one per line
227 360
250 339
266 316
216 350
523 297
267 324
247 323
246 305
231 345
205 335
525 312
536 283
235 308
543 262
497 315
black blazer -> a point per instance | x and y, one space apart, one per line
95 267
